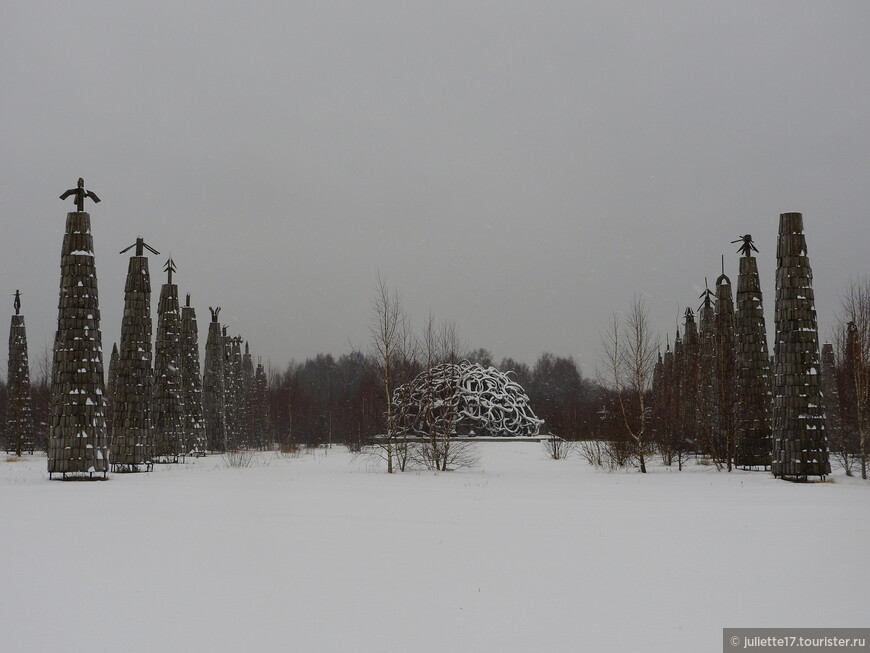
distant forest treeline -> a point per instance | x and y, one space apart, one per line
340 400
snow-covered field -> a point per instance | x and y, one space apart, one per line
324 552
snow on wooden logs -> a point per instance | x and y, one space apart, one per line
77 431
132 447
800 445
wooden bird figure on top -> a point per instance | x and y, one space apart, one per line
80 195
140 246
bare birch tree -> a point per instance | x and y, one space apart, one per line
41 389
842 441
448 341
629 356
854 343
391 341
427 452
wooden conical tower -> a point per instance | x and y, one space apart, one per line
670 393
706 373
677 387
132 437
213 393
800 448
753 443
20 432
168 399
724 373
249 437
233 390
260 422
191 379
77 443
111 386
658 425
689 392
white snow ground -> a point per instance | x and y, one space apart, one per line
326 553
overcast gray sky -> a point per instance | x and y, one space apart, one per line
522 168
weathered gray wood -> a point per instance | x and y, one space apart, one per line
20 432
132 442
233 391
260 422
690 383
800 448
246 409
706 373
213 392
111 387
77 432
191 378
724 373
753 438
169 420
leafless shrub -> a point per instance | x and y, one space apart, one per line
557 448
592 451
431 454
606 454
239 458
288 450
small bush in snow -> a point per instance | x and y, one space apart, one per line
557 448
240 458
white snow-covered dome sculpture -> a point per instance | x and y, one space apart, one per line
465 399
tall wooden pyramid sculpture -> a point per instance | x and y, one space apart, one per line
800 448
706 372
111 385
260 422
168 398
679 386
670 391
657 422
233 390
20 433
246 407
213 393
191 380
132 437
691 383
725 373
77 442
753 443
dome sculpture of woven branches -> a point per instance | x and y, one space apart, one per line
466 399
